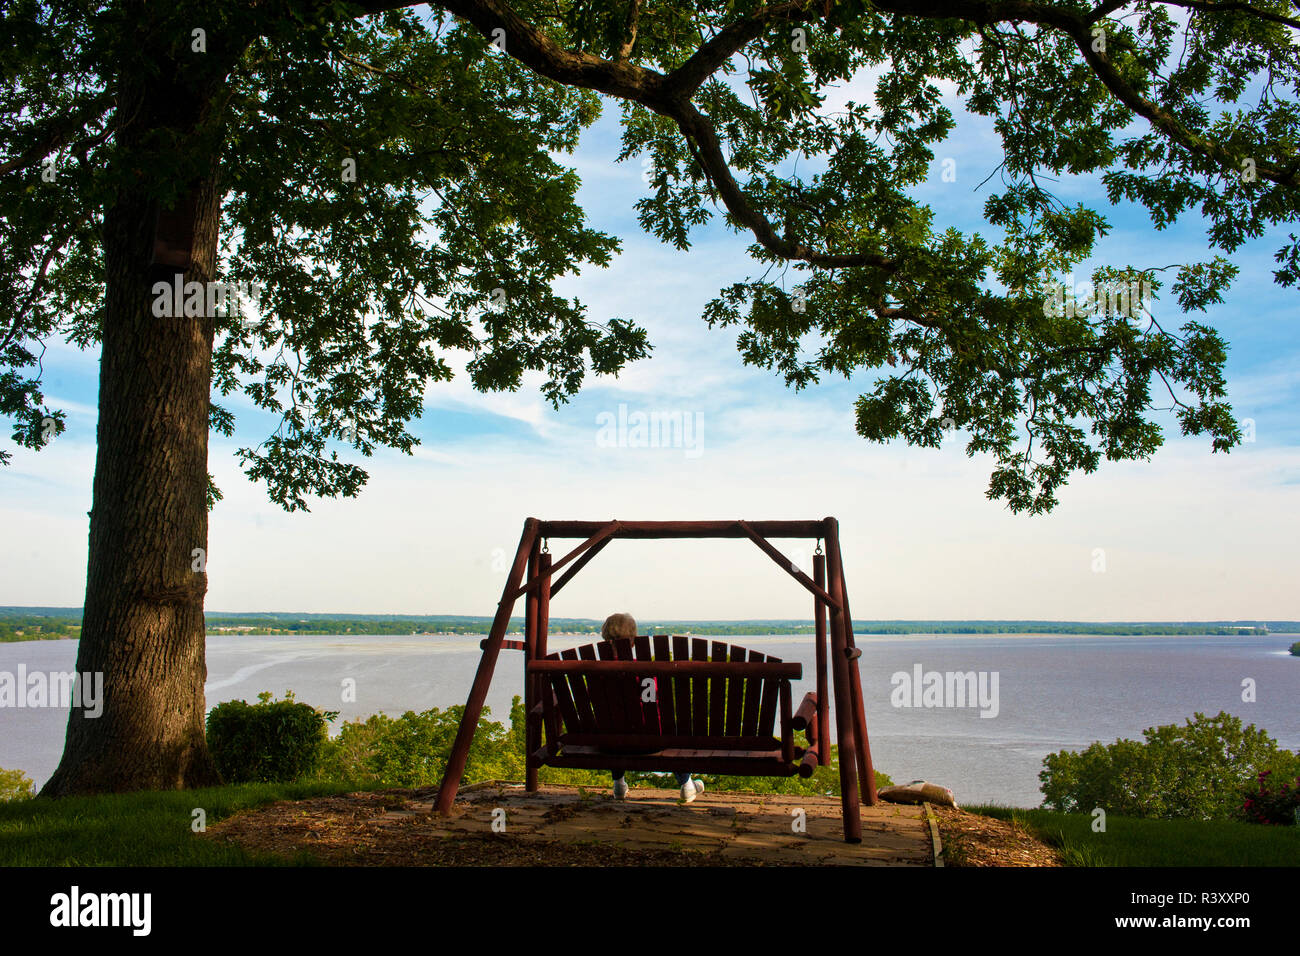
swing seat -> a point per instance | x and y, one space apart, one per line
660 705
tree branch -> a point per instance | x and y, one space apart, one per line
1230 6
666 95
37 281
705 61
629 30
60 130
670 95
699 130
1163 120
1079 29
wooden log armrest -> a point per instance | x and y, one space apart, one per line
807 711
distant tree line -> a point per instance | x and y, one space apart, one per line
21 624
33 627
379 625
1055 627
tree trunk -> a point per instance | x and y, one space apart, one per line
143 626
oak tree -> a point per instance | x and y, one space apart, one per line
391 181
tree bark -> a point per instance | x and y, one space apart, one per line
143 625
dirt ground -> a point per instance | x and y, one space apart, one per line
502 825
970 839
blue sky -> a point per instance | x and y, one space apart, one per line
1189 535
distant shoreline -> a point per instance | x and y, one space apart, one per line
47 623
516 635
513 635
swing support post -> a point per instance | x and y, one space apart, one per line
483 676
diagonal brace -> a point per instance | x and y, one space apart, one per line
532 585
787 565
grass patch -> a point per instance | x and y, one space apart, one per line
956 851
141 829
1130 841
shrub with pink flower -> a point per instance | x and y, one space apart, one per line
1266 805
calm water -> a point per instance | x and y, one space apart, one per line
1054 692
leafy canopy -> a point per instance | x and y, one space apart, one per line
462 213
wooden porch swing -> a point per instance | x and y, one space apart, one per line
716 703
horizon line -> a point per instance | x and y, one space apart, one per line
1245 622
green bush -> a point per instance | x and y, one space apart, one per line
272 741
14 785
412 750
1203 770
1295 649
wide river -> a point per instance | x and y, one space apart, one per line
1053 692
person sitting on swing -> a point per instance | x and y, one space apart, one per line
624 626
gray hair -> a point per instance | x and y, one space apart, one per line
618 625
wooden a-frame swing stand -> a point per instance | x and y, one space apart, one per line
714 705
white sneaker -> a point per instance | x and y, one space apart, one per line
620 789
691 789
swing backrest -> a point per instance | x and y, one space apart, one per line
711 699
